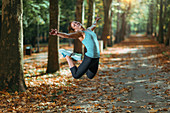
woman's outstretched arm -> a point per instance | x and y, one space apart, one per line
93 26
75 35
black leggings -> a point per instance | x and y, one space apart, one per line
88 66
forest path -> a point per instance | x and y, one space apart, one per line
128 80
133 76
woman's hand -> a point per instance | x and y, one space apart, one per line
97 18
53 32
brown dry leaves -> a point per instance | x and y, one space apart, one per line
120 72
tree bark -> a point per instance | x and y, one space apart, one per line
107 16
117 40
53 42
156 19
150 19
123 27
11 49
109 41
90 12
164 20
161 35
168 35
78 46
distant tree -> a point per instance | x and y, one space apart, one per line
150 18
161 33
53 42
78 47
99 10
166 19
117 40
11 47
107 16
156 13
167 22
35 20
67 9
168 35
90 14
124 26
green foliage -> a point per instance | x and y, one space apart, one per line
35 13
138 19
67 13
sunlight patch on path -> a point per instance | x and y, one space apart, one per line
136 81
121 50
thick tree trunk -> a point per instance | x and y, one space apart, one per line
107 16
161 35
53 42
11 49
78 47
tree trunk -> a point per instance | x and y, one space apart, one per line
168 36
164 20
11 49
117 40
53 42
150 19
109 41
123 27
156 20
107 16
161 35
90 12
0 23
78 46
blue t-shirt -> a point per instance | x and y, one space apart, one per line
91 43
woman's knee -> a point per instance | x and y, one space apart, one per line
76 77
90 75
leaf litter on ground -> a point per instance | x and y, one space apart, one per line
110 90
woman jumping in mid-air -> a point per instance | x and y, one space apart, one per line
90 62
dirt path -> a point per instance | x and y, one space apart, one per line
133 76
128 81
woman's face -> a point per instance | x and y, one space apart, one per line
76 25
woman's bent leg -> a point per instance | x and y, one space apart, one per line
93 69
70 61
82 69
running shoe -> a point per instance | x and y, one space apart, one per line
74 56
65 52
